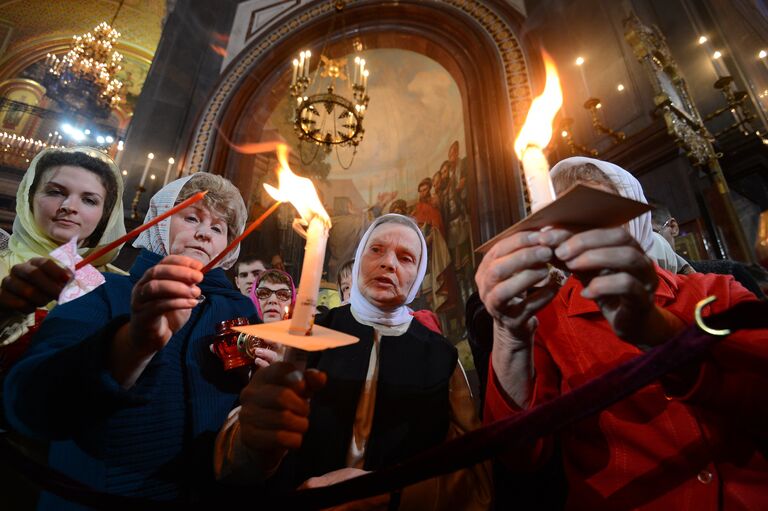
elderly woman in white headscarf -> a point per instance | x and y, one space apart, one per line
66 193
613 178
122 379
617 303
398 391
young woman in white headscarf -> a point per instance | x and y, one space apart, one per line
397 392
122 380
692 441
65 193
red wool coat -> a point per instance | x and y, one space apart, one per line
698 451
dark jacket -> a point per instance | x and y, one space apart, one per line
412 409
154 440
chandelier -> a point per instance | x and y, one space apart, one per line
83 81
322 116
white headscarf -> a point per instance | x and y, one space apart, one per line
364 309
155 239
628 186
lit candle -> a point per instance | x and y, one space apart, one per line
580 63
150 157
534 137
356 66
302 56
302 194
365 81
295 71
171 161
306 63
119 153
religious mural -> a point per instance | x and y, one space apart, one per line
412 161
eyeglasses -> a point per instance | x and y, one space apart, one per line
663 226
282 294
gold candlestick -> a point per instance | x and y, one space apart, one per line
593 105
135 203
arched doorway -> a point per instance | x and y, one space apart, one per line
474 43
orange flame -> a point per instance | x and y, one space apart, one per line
537 129
297 190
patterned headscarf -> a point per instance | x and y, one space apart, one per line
628 186
155 239
364 309
28 241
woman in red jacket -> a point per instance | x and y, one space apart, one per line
695 440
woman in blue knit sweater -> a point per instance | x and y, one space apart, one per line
122 380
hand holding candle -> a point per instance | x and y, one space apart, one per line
534 137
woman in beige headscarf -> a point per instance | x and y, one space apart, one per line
65 193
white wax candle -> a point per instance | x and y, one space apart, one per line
536 172
306 63
584 80
357 64
311 272
295 71
150 157
171 161
302 56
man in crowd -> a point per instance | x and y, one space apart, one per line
247 270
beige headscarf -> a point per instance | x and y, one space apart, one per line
28 241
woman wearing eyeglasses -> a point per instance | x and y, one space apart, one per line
273 294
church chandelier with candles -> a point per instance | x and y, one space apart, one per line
323 117
84 80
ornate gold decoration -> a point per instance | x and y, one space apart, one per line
500 32
83 81
672 98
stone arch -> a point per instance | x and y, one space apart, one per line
475 41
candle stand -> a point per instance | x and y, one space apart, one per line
135 203
593 104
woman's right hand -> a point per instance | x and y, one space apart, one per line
505 281
32 284
162 301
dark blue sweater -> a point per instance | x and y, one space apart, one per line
154 440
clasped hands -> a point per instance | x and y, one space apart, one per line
514 280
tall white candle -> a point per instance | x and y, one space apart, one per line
150 157
536 172
581 64
171 161
356 66
306 63
295 71
311 272
302 56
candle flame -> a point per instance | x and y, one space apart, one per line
537 129
297 190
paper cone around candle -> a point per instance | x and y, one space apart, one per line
321 338
579 209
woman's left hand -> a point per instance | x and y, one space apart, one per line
615 272
379 502
267 354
